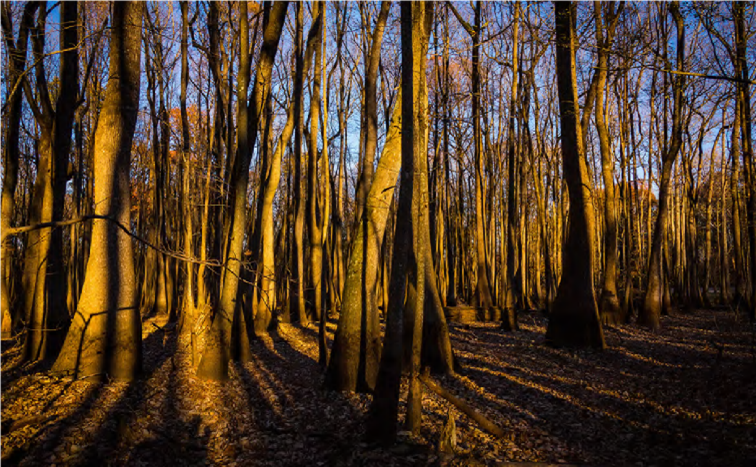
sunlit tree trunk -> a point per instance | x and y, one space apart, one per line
16 65
749 164
609 306
268 188
188 303
298 296
105 336
214 363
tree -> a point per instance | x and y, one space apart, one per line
574 319
214 362
652 303
407 261
105 337
482 297
609 306
16 50
357 347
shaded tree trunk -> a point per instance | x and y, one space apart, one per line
652 305
214 362
574 319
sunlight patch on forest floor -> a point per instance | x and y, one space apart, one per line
685 393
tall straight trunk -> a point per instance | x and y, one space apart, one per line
737 234
482 289
451 257
609 306
722 243
16 64
105 335
407 261
214 363
574 320
749 164
482 297
708 224
161 140
338 198
188 312
298 297
513 294
652 304
313 202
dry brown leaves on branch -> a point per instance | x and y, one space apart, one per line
681 397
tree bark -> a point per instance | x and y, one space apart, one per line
105 336
16 63
574 320
652 304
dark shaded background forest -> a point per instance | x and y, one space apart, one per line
285 233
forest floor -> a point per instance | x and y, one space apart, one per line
684 396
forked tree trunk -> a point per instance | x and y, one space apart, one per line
407 262
268 188
44 271
214 362
105 336
357 343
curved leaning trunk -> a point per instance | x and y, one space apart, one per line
356 348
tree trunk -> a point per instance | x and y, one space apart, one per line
105 335
609 306
407 261
652 304
574 320
214 363
17 64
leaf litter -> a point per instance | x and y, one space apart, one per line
679 397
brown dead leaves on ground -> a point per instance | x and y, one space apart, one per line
683 396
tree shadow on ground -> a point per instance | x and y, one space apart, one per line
285 388
644 411
94 432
